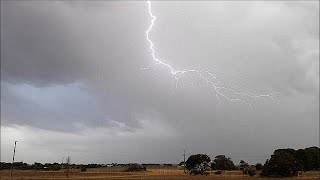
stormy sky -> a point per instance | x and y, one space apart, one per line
73 83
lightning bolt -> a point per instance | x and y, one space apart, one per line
218 89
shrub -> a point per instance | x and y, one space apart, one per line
202 169
135 167
243 165
83 169
250 170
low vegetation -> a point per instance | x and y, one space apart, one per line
250 170
135 167
283 163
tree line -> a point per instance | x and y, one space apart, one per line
58 166
287 162
283 163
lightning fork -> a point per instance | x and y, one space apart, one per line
217 88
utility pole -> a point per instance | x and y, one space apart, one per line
62 163
184 160
14 153
68 164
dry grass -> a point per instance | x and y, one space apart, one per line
157 173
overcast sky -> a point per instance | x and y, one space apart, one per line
72 83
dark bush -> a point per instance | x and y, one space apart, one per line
243 165
83 169
258 166
135 167
202 169
250 170
55 167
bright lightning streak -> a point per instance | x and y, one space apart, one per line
218 90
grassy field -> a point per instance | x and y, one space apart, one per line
157 173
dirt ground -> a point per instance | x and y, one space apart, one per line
157 173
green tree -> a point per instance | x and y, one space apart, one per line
196 159
307 159
301 158
222 162
281 164
312 158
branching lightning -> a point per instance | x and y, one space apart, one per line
202 74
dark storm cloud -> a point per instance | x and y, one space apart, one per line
37 47
75 67
55 44
44 42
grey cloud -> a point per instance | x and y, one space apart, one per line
57 107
